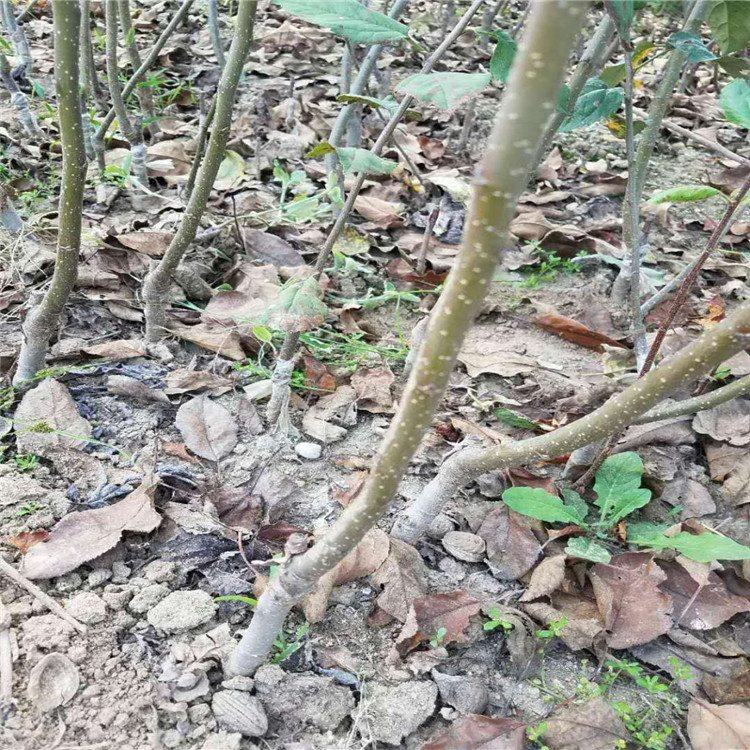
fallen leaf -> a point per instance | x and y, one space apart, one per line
122 385
317 375
729 422
700 607
382 213
298 307
633 608
512 548
27 539
278 532
43 409
185 381
154 244
224 342
483 351
545 578
364 559
238 508
269 248
402 270
571 330
373 388
475 732
584 626
722 459
178 450
593 725
121 349
434 612
716 312
712 727
402 577
82 536
520 477
207 428
318 421
354 484
53 681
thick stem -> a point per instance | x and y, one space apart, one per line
19 101
200 145
145 94
282 376
42 321
132 132
156 284
695 269
9 217
215 32
502 176
17 36
89 76
710 350
137 77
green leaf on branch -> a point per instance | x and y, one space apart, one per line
443 89
618 487
684 193
612 75
587 549
349 19
735 101
363 160
625 12
503 55
692 45
231 171
539 504
298 307
708 547
515 420
595 101
737 67
320 149
730 24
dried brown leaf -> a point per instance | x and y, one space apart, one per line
373 388
729 422
512 548
27 539
572 330
402 577
122 385
712 727
185 381
591 726
269 248
546 578
208 429
224 342
475 732
121 349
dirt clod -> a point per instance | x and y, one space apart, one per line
395 712
182 611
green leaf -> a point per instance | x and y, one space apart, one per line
730 24
595 101
503 56
443 89
130 37
320 149
573 500
515 420
231 171
298 307
363 160
735 101
349 19
692 45
615 74
237 598
370 101
625 11
684 193
737 67
708 547
587 549
618 486
647 534
563 99
538 503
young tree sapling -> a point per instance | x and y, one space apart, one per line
42 321
502 176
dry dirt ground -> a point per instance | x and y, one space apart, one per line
147 673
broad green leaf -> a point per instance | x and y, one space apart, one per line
684 193
231 171
538 503
363 160
587 549
515 420
298 307
576 502
625 11
563 99
302 208
708 547
737 67
503 56
735 101
595 101
352 242
618 486
692 45
320 149
730 24
349 19
647 534
612 75
443 89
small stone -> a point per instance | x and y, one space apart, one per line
148 597
440 526
311 451
98 577
198 713
171 738
223 741
396 712
160 571
182 610
239 682
237 711
160 351
468 695
120 572
464 546
69 582
87 608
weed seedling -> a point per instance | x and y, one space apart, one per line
437 640
26 461
496 621
28 509
284 649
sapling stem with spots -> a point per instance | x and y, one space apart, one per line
714 347
281 388
156 284
42 321
501 178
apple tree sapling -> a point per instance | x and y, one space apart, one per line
502 176
42 321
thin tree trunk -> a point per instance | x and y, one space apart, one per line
17 35
20 101
156 284
215 32
42 321
502 176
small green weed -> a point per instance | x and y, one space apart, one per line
28 509
284 649
438 638
496 621
26 461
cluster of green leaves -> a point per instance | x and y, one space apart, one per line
619 493
355 159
